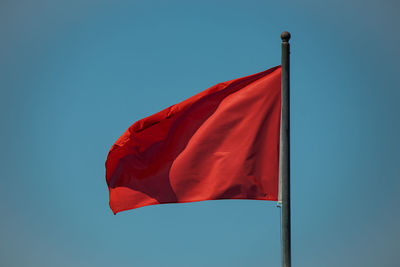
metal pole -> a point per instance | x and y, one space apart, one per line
285 151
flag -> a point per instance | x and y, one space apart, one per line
222 143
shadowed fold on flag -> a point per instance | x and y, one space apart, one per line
222 143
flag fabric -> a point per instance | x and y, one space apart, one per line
222 143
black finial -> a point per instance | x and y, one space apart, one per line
285 36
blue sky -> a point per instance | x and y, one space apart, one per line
74 75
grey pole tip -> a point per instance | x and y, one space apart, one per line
285 36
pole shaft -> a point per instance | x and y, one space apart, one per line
285 151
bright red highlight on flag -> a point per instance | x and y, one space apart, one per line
222 143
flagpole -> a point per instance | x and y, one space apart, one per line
285 151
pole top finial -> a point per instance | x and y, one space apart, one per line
285 36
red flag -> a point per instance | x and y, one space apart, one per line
222 143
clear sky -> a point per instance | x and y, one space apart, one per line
74 75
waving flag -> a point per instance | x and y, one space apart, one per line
222 143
